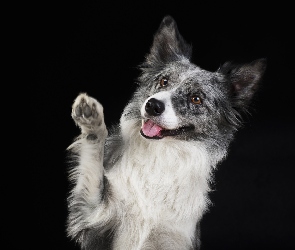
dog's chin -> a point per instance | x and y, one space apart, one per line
151 130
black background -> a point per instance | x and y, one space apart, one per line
94 47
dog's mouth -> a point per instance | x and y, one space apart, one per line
151 130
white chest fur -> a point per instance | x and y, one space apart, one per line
161 183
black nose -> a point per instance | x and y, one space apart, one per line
154 107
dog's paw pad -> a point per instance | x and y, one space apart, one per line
78 111
87 112
93 111
91 137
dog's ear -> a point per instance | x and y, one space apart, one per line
168 44
244 80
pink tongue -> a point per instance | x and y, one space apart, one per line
151 129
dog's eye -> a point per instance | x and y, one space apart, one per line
196 100
164 82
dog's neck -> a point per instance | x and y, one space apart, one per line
161 175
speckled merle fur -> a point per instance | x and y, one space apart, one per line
144 184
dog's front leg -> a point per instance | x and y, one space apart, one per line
86 199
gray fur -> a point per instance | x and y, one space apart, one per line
144 184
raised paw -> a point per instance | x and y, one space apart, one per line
88 113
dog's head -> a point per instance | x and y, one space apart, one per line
179 100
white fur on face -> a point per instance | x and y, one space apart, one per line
168 118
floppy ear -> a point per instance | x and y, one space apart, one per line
244 80
168 44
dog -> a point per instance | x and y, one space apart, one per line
144 183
